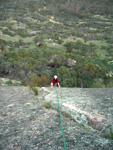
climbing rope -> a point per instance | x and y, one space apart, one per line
60 120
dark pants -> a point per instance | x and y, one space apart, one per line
55 84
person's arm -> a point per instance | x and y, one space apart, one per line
58 82
52 83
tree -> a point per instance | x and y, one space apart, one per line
69 46
109 82
80 71
73 78
39 39
90 69
98 83
79 44
21 42
2 46
64 76
91 49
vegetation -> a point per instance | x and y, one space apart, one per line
48 105
42 38
9 82
65 114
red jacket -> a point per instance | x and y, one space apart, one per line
55 80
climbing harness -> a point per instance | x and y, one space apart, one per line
60 119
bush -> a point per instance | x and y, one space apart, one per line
60 41
35 80
43 81
69 46
23 82
108 133
35 90
98 83
65 114
9 82
39 39
48 106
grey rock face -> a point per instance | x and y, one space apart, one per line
4 81
88 107
25 124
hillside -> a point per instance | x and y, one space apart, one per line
71 38
29 122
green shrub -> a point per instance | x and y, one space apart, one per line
109 132
98 83
65 114
60 41
35 90
39 39
9 82
69 46
48 105
23 82
41 81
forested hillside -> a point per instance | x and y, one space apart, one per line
70 38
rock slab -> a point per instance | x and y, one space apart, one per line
92 108
25 124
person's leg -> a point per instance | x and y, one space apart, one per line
56 84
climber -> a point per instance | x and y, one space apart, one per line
55 81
